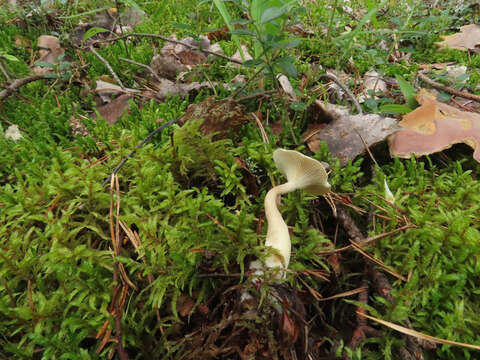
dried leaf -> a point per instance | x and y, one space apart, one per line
467 39
106 89
345 133
250 181
112 111
433 127
185 305
176 58
289 328
300 30
220 116
166 88
13 133
286 86
49 52
77 127
372 82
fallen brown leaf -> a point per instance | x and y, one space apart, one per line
467 39
113 110
176 58
433 127
185 305
50 50
220 116
166 88
345 133
250 181
372 82
77 127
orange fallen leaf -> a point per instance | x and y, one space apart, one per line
433 127
467 39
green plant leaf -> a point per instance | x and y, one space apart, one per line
287 66
243 32
9 57
44 64
408 92
93 31
253 62
222 9
133 4
272 13
395 109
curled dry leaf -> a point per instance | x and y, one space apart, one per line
250 181
106 89
185 305
345 132
433 127
286 86
372 82
220 116
50 50
166 88
113 110
467 39
176 58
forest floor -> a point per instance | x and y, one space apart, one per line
136 147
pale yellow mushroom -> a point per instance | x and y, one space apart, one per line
302 172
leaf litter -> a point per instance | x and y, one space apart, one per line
347 135
433 127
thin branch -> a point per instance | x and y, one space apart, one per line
4 72
17 84
105 62
448 89
142 65
144 141
258 94
346 89
172 41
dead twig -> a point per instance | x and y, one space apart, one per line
17 84
144 141
447 89
344 88
144 66
258 94
4 72
114 232
191 47
105 62
366 241
262 130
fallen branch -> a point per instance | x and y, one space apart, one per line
17 84
346 89
448 89
105 62
191 47
144 141
144 66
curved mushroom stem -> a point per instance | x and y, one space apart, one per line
278 236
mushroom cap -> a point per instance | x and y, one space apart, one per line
303 171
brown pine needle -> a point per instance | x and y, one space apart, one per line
419 335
